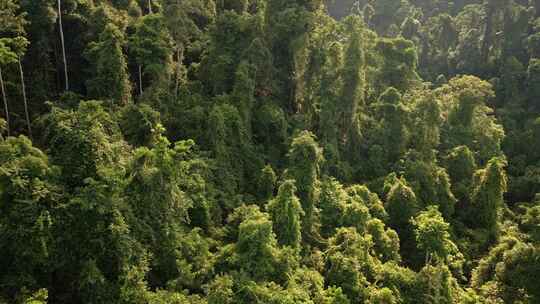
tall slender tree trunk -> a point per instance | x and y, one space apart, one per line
486 42
492 8
6 110
140 80
24 99
150 7
63 44
179 59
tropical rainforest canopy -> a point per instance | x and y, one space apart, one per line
270 151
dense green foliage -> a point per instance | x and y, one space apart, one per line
270 151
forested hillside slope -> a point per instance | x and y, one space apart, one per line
270 151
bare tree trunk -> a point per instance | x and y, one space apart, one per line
63 44
486 42
140 80
6 110
24 99
491 10
179 59
150 6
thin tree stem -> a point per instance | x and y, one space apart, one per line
6 110
179 59
140 80
63 44
488 35
24 99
